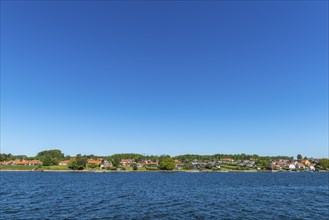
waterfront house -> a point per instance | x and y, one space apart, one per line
227 160
213 162
247 163
311 167
179 166
152 164
196 164
251 165
314 160
35 162
106 164
64 162
273 166
126 162
140 164
94 162
300 166
6 162
292 166
306 162
282 163
9 162
22 162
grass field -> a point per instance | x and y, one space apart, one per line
233 168
17 167
59 167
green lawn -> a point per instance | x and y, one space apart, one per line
59 167
151 168
17 167
233 168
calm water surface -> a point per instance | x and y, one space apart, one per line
37 195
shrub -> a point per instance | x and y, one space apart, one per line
167 164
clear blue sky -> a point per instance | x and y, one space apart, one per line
171 77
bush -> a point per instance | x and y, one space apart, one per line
324 163
187 166
75 166
79 163
134 166
93 165
48 161
208 166
167 164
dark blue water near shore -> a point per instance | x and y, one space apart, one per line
164 195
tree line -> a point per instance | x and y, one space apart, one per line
166 162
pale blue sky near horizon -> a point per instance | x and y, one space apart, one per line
165 77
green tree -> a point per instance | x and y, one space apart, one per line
263 162
299 157
21 157
51 153
208 166
324 163
116 162
50 157
79 163
6 157
188 166
167 164
134 166
48 161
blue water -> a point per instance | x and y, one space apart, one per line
37 195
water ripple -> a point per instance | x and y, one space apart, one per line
164 196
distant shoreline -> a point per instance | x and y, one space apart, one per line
130 171
155 171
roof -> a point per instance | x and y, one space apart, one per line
228 159
152 163
21 162
92 161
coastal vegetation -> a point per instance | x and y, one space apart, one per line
167 164
78 163
324 163
50 157
57 160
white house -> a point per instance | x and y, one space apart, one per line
292 166
310 168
